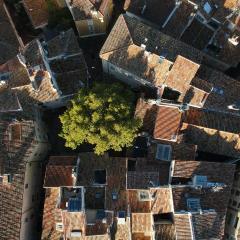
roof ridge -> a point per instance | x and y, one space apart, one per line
112 33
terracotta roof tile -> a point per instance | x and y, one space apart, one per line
178 22
59 171
142 223
156 11
183 226
181 74
167 123
137 206
9 40
212 140
157 42
37 10
63 44
82 8
50 211
147 113
197 34
212 119
161 202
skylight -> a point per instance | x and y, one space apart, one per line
163 152
193 204
207 8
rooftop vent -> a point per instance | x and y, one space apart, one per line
234 40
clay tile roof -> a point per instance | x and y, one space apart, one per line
37 11
59 171
177 23
81 9
212 119
147 112
9 40
202 84
142 223
213 170
64 43
208 225
49 215
156 11
167 123
183 226
162 200
142 180
197 34
181 74
129 30
9 101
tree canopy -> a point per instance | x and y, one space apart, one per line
102 116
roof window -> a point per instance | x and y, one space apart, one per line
100 177
193 204
144 196
207 8
163 152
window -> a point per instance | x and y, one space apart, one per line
26 186
229 218
236 222
114 196
170 94
234 203
163 152
200 180
90 26
144 196
207 8
100 176
239 205
237 193
121 217
131 165
193 204
218 90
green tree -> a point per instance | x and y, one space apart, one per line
102 116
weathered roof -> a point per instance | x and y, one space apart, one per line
10 42
14 154
189 28
63 44
9 101
183 226
181 74
59 171
82 9
212 119
212 140
155 11
167 123
50 215
37 11
129 31
142 223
